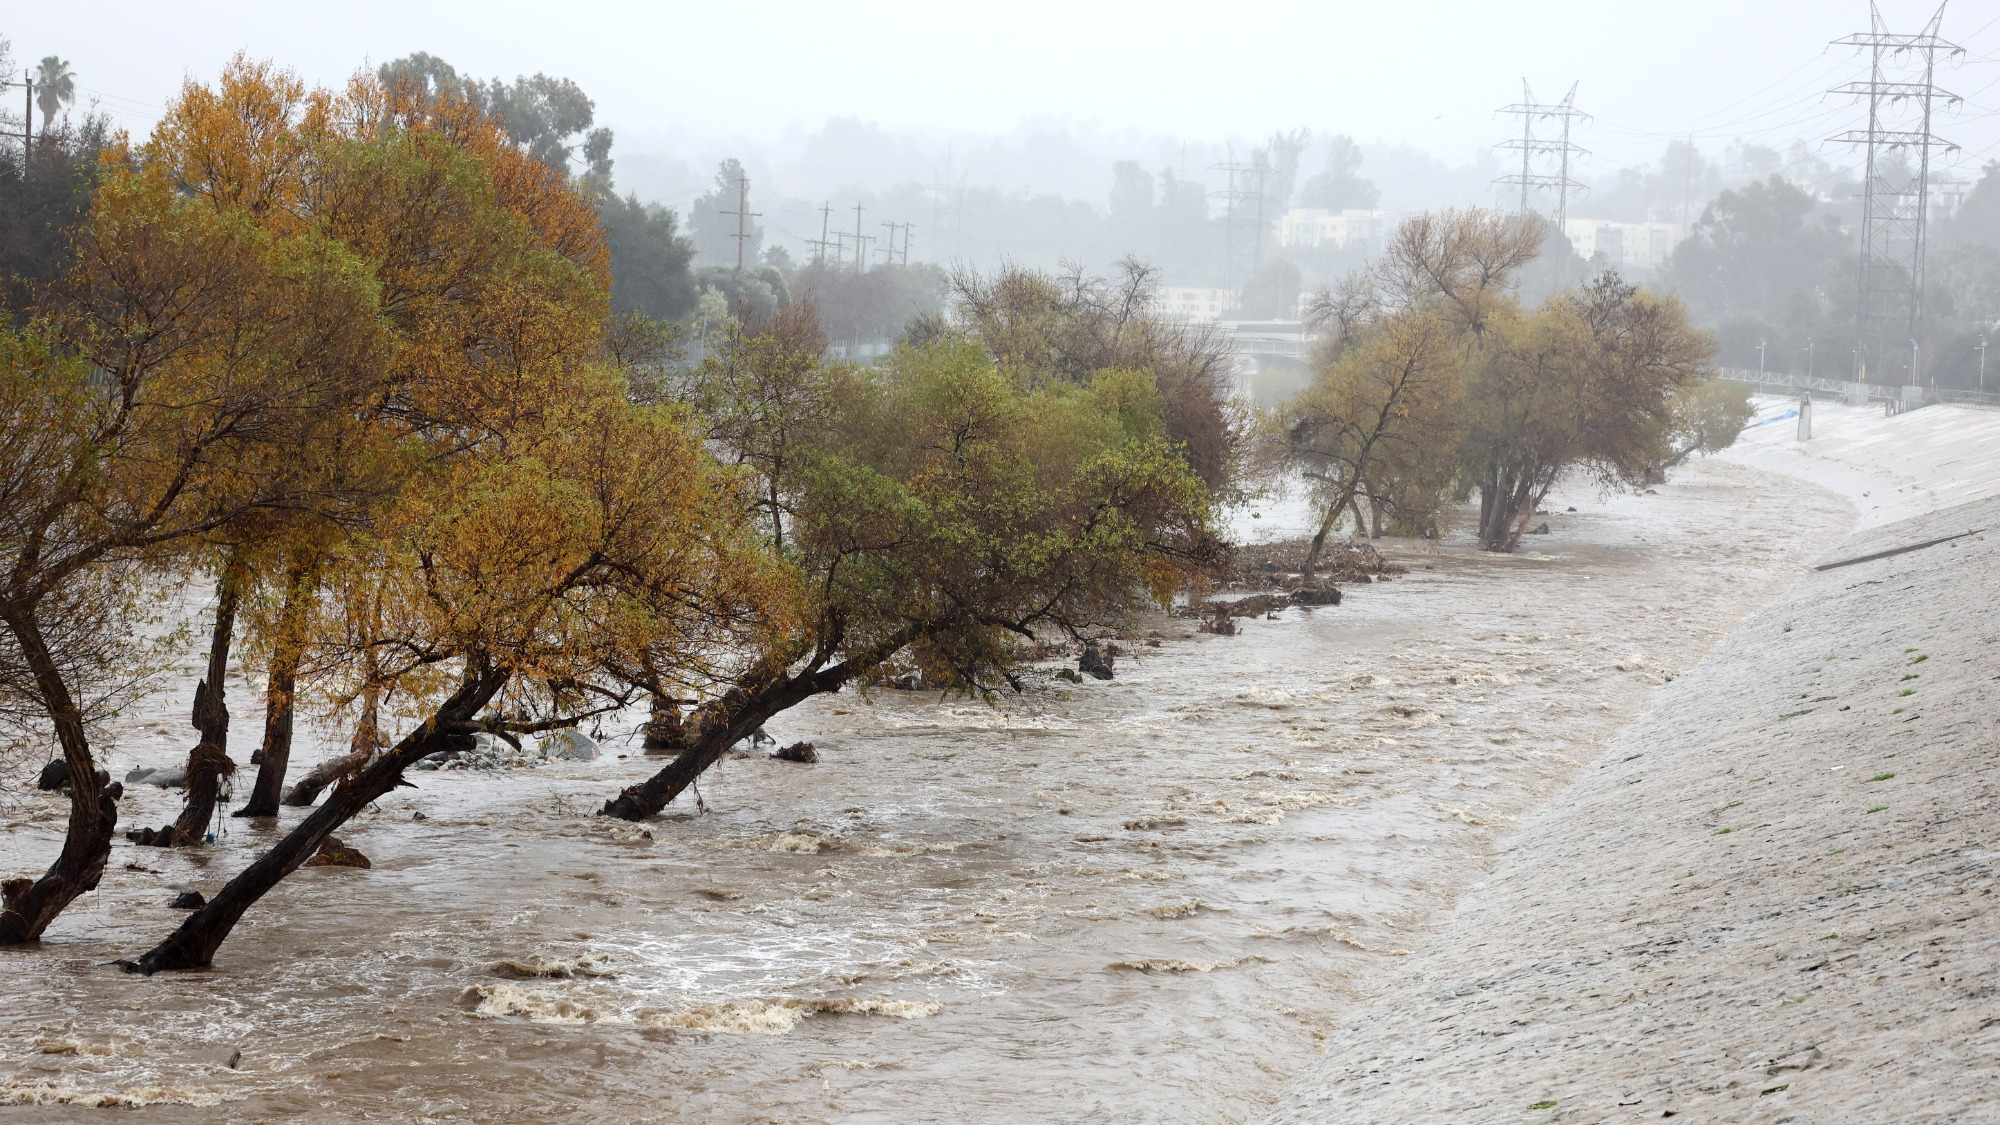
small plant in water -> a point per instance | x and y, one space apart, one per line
1878 808
1882 777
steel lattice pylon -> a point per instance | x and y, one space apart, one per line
1895 194
1531 146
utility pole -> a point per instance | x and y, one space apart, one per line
1760 358
1895 202
889 246
1809 357
1530 146
743 216
819 248
1982 365
907 228
860 244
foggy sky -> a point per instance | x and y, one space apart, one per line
695 79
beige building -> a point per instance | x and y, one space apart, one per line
1631 246
1311 227
1183 302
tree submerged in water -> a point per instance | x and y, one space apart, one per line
354 358
1433 382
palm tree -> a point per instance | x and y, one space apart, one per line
55 88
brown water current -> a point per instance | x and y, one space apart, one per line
1140 900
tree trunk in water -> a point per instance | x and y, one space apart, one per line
209 762
367 740
276 753
28 906
731 719
280 693
193 945
665 729
1333 514
1506 509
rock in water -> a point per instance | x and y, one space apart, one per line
1094 661
55 775
1069 674
1542 530
333 853
798 752
188 900
173 777
570 744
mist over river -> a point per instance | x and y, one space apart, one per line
1141 900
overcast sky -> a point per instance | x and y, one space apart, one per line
1424 72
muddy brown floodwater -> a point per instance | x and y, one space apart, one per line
1140 900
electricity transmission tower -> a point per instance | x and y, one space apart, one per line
1530 146
1895 196
1242 206
743 215
942 189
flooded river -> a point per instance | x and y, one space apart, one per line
1142 900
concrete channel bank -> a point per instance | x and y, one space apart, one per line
1773 898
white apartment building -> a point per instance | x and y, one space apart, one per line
1310 227
1947 196
1642 246
1183 302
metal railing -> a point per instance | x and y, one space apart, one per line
1858 394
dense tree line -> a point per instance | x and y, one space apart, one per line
356 360
1775 272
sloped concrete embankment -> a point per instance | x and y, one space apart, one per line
1772 900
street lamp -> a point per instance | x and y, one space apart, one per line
1760 358
1809 347
1982 364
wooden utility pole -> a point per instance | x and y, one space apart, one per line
860 244
825 217
743 216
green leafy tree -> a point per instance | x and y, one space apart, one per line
650 258
939 511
